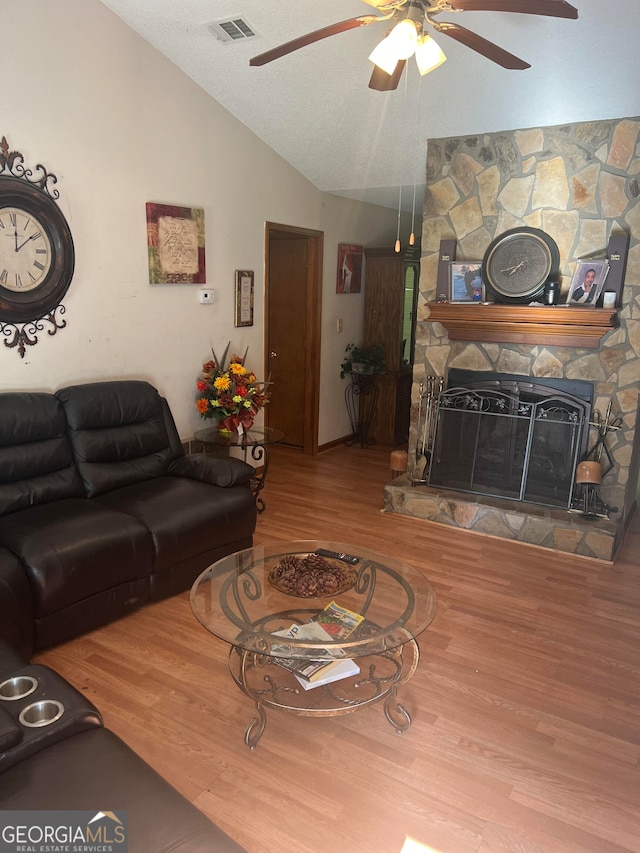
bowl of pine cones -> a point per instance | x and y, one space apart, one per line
311 576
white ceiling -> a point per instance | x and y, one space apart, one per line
315 109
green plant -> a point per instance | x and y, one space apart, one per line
371 358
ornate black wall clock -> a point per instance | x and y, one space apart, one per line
518 263
37 256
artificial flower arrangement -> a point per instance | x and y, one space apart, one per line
232 395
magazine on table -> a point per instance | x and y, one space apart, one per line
337 621
332 623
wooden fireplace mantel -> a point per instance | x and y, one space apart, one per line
556 325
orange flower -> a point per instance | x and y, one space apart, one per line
202 405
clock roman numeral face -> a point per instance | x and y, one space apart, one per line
25 250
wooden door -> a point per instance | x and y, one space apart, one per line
293 290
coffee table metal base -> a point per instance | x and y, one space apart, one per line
272 686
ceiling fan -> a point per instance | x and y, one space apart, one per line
409 35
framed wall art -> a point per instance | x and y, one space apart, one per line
349 268
587 282
465 282
244 298
175 241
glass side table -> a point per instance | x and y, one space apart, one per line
253 443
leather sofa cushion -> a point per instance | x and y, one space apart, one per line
16 611
96 770
75 548
180 515
36 462
117 432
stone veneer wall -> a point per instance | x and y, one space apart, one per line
578 182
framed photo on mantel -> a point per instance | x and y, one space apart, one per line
466 282
587 282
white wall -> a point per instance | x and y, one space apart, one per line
120 125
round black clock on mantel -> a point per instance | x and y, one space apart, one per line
37 255
518 263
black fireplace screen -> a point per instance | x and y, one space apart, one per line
521 442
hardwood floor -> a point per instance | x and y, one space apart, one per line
525 704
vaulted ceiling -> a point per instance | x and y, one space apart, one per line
315 109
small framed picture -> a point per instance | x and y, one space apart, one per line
587 282
349 278
244 298
465 282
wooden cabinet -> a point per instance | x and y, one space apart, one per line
390 299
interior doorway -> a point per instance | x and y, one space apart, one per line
293 305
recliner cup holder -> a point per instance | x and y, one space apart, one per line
17 687
41 713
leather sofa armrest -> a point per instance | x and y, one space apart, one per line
71 713
225 472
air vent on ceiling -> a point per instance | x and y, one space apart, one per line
234 29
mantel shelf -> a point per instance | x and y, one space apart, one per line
557 325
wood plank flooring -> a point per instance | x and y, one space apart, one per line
525 705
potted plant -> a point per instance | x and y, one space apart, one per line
363 360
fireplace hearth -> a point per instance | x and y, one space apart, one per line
492 500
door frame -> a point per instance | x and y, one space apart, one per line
313 320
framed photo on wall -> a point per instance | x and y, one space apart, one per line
349 268
587 282
175 244
465 282
244 298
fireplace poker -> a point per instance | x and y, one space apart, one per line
432 413
421 392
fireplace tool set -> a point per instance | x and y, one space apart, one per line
589 472
430 391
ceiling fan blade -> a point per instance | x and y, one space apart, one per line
481 45
310 38
550 8
383 82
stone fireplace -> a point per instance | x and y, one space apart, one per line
579 183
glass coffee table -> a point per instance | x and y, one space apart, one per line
258 600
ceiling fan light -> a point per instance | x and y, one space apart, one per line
385 55
405 38
429 55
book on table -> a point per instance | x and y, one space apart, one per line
327 672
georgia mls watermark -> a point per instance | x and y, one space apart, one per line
63 832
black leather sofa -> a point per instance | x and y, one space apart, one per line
74 764
102 511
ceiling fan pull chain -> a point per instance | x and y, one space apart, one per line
404 110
